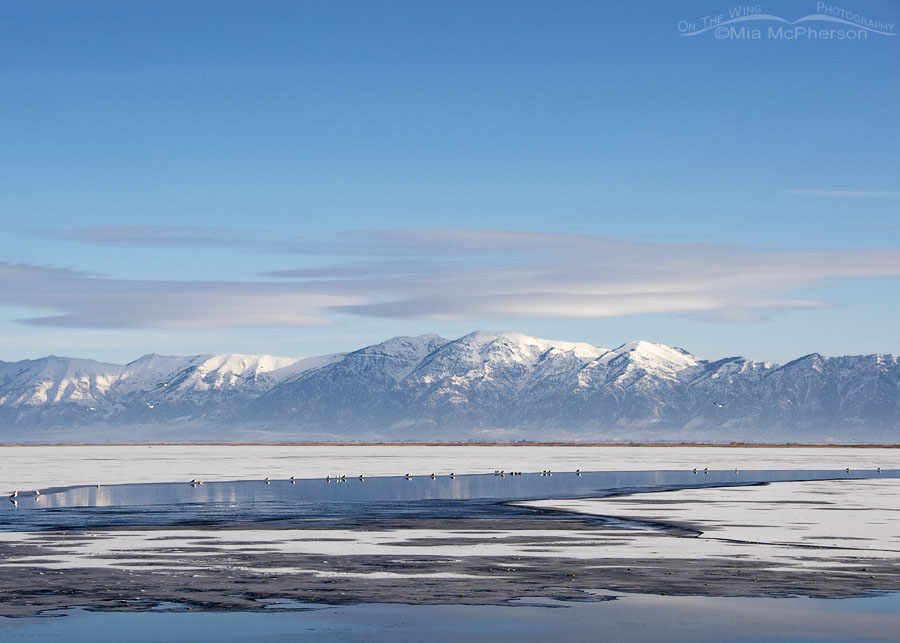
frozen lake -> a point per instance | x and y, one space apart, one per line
321 499
697 555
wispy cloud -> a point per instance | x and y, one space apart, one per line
154 236
849 194
453 275
85 301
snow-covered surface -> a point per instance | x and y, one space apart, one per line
40 467
859 515
784 525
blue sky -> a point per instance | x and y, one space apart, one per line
307 177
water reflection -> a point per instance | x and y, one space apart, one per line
394 497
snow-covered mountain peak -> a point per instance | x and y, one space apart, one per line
197 373
650 352
392 359
521 347
55 379
406 346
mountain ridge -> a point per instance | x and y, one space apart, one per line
482 386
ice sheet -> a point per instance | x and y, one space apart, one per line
784 525
860 515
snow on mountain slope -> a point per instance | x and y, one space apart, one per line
659 359
480 385
54 380
511 360
355 390
171 375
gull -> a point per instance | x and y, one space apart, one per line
267 481
292 479
149 406
452 475
361 478
37 493
577 472
720 405
408 477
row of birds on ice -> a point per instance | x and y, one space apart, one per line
13 497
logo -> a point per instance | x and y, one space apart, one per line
748 22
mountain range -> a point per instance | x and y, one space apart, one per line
485 386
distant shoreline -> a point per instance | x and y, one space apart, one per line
729 445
